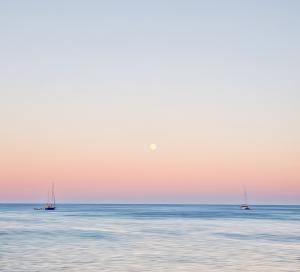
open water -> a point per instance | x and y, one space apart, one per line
137 238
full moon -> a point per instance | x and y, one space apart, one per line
152 147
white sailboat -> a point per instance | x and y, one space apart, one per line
245 206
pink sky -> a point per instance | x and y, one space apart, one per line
84 93
133 173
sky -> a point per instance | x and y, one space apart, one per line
87 86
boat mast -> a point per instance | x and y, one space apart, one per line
53 196
48 197
245 195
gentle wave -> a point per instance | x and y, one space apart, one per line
175 238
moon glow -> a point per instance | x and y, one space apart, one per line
153 147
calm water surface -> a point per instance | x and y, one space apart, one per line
139 238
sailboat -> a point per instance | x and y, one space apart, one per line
50 205
245 206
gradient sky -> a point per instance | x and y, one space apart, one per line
86 86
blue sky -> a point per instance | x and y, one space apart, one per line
195 75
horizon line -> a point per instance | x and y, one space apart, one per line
143 203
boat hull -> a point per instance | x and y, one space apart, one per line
245 207
50 208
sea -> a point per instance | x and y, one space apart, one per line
156 238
